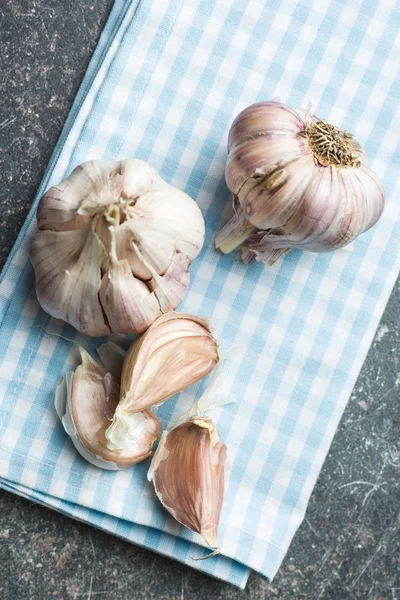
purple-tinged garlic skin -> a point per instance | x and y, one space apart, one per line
86 401
174 353
188 475
113 247
295 183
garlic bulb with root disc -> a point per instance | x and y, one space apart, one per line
86 401
175 352
296 183
113 247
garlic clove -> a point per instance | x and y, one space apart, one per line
374 195
67 205
159 220
189 468
261 156
175 352
274 117
268 201
57 267
319 200
126 251
127 302
171 288
188 475
86 401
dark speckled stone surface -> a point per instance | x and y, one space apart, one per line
349 544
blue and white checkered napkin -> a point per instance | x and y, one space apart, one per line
165 83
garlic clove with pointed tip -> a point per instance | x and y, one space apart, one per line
60 259
126 300
86 401
175 352
187 471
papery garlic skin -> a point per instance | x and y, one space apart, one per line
86 401
126 432
295 183
114 246
188 475
175 352
189 469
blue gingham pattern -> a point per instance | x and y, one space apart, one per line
164 85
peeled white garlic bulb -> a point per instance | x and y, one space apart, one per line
296 183
113 247
174 353
85 401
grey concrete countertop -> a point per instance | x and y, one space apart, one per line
348 547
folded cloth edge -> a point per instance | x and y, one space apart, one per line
105 40
110 525
106 37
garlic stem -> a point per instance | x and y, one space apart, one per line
234 233
235 241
